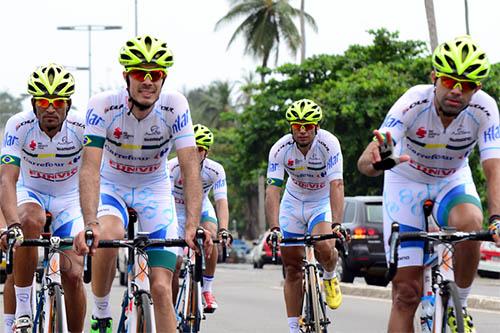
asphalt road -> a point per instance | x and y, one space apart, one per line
251 301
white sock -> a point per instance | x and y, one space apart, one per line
293 324
207 283
101 307
463 293
8 320
23 301
329 275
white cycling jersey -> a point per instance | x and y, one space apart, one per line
437 152
135 151
212 176
310 175
48 165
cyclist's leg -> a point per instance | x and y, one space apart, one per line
292 224
9 303
156 213
209 222
112 217
402 202
32 217
67 222
320 222
180 209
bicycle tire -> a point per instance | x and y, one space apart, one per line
450 293
193 318
144 308
315 306
55 310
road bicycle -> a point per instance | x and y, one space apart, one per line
439 289
189 304
313 318
48 305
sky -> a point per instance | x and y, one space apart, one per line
30 36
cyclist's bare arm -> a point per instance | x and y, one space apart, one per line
273 194
222 210
337 200
89 184
8 200
491 169
190 170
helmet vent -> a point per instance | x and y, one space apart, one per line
446 47
130 44
159 54
465 52
450 62
137 53
50 75
125 57
148 42
40 86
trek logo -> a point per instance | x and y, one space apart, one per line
415 104
492 133
117 133
92 118
56 176
113 107
391 122
167 108
24 123
180 122
10 140
421 132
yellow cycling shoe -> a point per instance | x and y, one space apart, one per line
332 293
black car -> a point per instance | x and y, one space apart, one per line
363 219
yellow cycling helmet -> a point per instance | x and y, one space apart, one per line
461 57
304 110
203 136
51 79
146 50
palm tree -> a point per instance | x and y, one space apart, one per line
431 23
209 103
266 24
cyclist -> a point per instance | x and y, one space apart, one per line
213 177
44 146
130 133
313 199
433 129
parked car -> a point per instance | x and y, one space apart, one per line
238 251
363 219
489 265
261 253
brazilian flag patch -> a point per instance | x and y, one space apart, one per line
275 182
9 159
93 141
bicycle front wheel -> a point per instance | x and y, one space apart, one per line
315 299
144 322
192 321
450 297
56 319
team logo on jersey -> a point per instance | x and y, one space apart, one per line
421 132
117 133
154 130
24 123
32 145
10 140
290 162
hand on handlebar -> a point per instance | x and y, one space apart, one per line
84 244
341 232
204 237
225 237
275 235
12 236
495 227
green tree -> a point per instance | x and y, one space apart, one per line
9 105
266 24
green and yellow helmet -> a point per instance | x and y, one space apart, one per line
146 50
461 57
304 111
203 136
51 79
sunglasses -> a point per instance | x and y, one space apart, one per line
299 126
58 102
141 74
449 82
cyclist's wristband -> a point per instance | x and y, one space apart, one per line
14 225
93 223
494 217
275 229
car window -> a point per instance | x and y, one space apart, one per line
374 212
349 212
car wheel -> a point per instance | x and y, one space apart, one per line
258 264
343 272
376 280
488 274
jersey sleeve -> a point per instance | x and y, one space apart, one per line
95 124
220 187
180 118
489 130
12 145
334 165
275 167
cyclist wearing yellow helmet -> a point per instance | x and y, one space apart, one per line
312 203
44 146
132 132
213 176
424 144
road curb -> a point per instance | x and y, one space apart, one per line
473 302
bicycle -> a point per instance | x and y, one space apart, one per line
439 287
49 308
313 318
137 313
189 304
